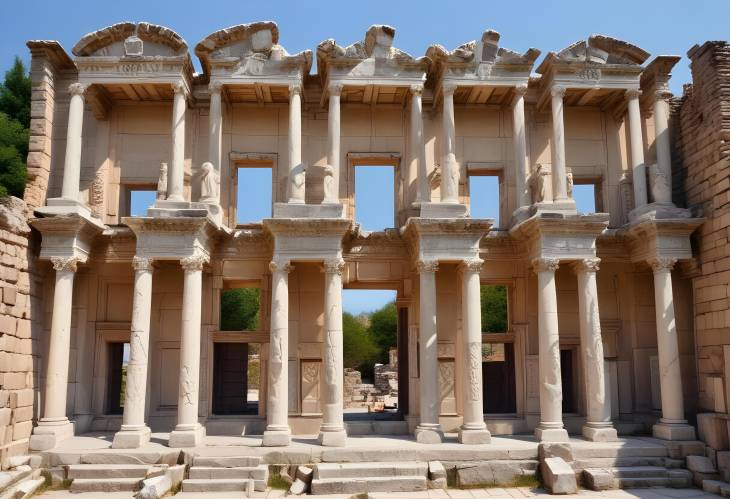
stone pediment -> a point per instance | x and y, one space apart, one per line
250 49
127 39
599 50
374 56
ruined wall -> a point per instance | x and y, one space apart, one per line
16 345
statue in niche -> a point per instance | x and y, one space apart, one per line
330 193
162 182
569 181
538 183
208 184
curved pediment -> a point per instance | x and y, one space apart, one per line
484 51
127 39
601 49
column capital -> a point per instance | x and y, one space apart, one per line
65 263
335 89
142 263
520 90
663 95
195 262
632 93
427 266
449 88
558 91
77 88
416 90
545 264
662 264
179 88
295 89
334 266
215 87
587 265
472 265
280 266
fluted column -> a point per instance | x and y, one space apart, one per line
332 431
449 169
672 425
418 147
332 185
296 168
560 183
661 187
215 130
429 429
636 143
72 163
473 430
598 425
54 426
550 428
189 432
176 176
134 432
277 408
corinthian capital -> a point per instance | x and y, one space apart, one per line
77 89
472 265
280 266
557 91
521 90
142 263
215 87
587 265
65 263
416 89
427 266
335 89
295 89
633 93
195 262
178 88
449 88
334 266
662 264
545 264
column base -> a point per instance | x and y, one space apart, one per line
443 210
302 210
64 206
673 431
471 436
131 437
49 433
551 434
337 438
600 433
276 438
431 434
187 437
558 207
174 209
658 211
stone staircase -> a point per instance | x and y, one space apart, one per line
111 477
355 478
226 474
633 477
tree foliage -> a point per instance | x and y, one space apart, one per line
15 93
384 330
240 309
14 123
359 350
494 308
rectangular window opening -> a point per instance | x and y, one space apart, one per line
253 196
236 378
484 195
118 357
240 309
375 197
139 199
585 196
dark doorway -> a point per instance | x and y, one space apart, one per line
230 379
116 377
498 378
566 375
403 360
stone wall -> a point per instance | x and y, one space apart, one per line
16 346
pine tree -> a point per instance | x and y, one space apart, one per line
14 123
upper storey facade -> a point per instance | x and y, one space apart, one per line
128 112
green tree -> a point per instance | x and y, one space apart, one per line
384 330
240 309
494 308
15 93
14 123
359 351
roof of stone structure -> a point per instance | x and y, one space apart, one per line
377 44
258 40
598 49
487 50
53 51
94 43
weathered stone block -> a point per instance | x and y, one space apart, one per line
713 430
558 476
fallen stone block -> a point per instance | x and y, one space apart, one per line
712 486
154 488
562 450
702 469
713 430
599 479
298 488
558 477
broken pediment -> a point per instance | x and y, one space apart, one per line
484 51
127 39
600 49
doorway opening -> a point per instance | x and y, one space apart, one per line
498 352
118 357
375 336
375 197
567 377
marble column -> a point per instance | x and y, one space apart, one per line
522 164
54 426
473 430
661 186
449 168
636 143
176 176
332 185
134 433
189 432
560 182
672 425
277 409
418 147
429 429
215 130
550 428
296 168
72 163
332 431
598 427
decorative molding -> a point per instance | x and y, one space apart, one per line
195 262
68 264
427 266
472 265
588 265
77 88
662 264
334 266
142 263
295 89
545 264
280 266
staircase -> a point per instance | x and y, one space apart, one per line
227 474
355 478
111 477
633 477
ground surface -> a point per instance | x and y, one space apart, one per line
494 493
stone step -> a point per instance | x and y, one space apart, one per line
321 486
640 472
227 461
367 470
632 477
102 471
105 485
615 462
212 472
219 485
